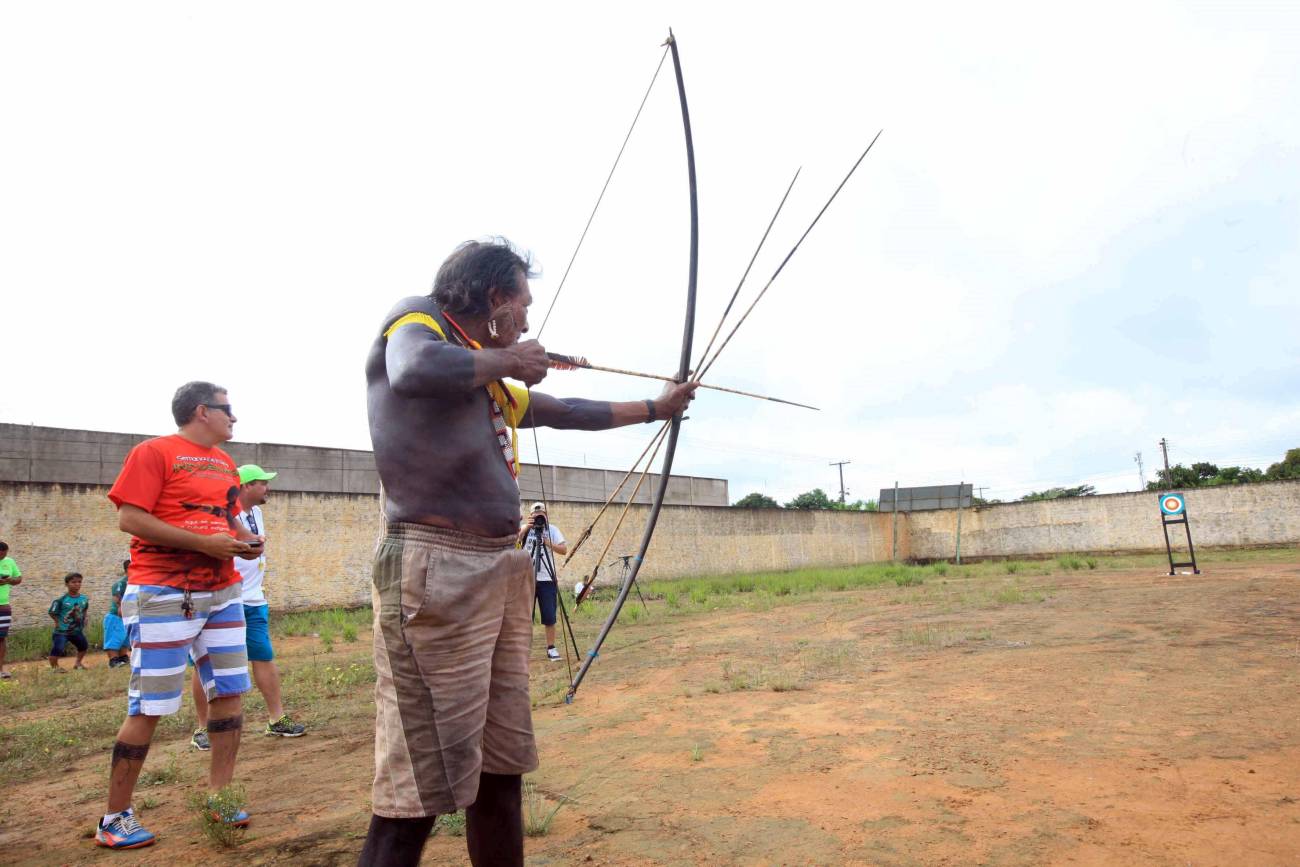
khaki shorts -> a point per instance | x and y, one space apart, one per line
453 625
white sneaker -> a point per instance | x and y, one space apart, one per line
552 654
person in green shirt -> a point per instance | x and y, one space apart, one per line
115 642
69 615
10 575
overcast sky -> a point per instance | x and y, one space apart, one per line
1078 234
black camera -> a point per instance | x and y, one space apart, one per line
539 521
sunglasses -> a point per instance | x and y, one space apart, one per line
224 407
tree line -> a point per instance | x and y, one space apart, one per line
814 499
1198 475
1207 475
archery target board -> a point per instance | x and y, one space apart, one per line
1172 505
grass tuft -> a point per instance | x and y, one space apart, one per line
538 814
214 813
161 776
450 825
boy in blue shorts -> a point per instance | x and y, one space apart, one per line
254 484
69 614
115 644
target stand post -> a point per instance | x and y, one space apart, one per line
1173 510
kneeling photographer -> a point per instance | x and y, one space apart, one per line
537 529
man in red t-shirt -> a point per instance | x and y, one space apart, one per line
178 496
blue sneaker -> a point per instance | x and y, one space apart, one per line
239 820
124 832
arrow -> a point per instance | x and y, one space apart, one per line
573 362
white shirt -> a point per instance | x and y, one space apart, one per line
252 571
530 542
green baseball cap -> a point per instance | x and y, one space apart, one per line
254 473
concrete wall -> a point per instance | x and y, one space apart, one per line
47 454
320 543
1227 516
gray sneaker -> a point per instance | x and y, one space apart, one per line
200 740
285 727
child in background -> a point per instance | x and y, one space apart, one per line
69 615
116 645
10 575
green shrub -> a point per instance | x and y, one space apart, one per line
213 814
537 817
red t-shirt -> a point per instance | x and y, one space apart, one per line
188 486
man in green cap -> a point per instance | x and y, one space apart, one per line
253 488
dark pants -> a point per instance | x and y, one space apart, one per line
546 593
61 641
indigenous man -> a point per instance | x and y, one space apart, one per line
452 594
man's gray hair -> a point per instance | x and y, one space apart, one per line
188 398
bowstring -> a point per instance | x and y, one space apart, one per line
537 451
601 197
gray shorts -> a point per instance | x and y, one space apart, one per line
453 625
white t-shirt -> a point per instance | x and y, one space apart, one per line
252 571
530 542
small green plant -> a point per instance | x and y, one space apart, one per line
161 776
326 641
538 815
1092 562
939 568
215 813
349 633
783 681
450 824
673 600
1009 595
148 802
697 753
1011 567
908 579
1069 563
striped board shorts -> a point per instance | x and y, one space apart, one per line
162 637
6 618
453 626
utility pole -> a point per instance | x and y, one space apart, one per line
1142 477
894 555
841 464
959 485
1164 449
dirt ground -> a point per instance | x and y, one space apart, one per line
1088 717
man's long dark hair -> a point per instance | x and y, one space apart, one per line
464 280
